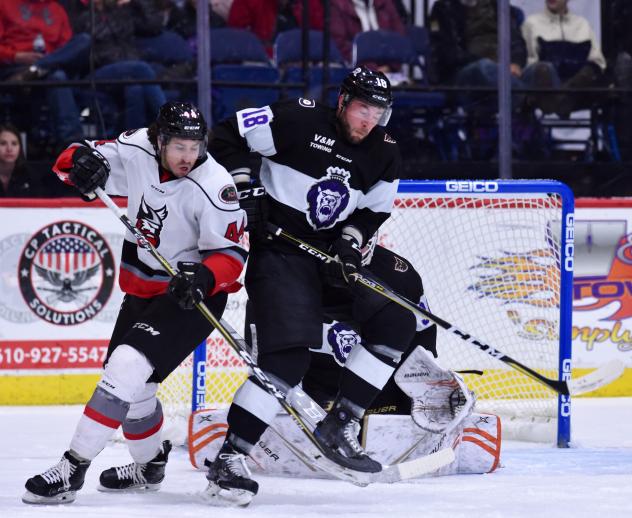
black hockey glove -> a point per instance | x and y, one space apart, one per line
191 284
90 169
347 250
254 201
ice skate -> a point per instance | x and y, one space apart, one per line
136 477
59 484
338 436
229 482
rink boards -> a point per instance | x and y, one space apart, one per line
53 340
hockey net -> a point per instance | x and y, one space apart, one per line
491 265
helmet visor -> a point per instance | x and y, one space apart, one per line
365 111
184 146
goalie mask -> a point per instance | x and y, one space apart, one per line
371 87
181 120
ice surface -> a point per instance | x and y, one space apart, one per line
591 479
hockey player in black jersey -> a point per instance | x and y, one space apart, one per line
186 205
331 176
423 406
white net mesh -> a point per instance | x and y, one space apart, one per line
225 371
490 266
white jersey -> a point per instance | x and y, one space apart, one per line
194 218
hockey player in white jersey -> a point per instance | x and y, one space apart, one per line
186 205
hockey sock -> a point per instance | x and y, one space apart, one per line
142 434
123 381
253 409
101 417
366 371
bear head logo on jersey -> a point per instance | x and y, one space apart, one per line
149 221
327 198
342 339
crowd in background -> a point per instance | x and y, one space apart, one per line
54 41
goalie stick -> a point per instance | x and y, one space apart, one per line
393 473
592 381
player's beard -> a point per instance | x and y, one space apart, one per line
348 132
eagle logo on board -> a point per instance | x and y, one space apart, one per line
66 273
328 198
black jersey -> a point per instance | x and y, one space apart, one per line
317 181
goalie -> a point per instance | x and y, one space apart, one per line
421 409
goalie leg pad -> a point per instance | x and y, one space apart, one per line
207 432
476 441
386 437
479 451
440 398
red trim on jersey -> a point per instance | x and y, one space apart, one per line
100 418
63 164
144 435
103 141
166 175
134 285
226 270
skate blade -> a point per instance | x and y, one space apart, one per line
62 498
220 497
139 488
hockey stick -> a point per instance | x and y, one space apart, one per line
239 345
601 376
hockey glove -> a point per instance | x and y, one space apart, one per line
90 169
347 250
191 284
254 201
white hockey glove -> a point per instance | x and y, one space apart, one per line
441 400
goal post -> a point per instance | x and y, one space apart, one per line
496 260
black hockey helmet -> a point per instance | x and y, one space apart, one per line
181 120
370 86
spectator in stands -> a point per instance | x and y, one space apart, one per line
350 17
116 57
267 18
15 180
36 41
562 51
182 17
464 36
